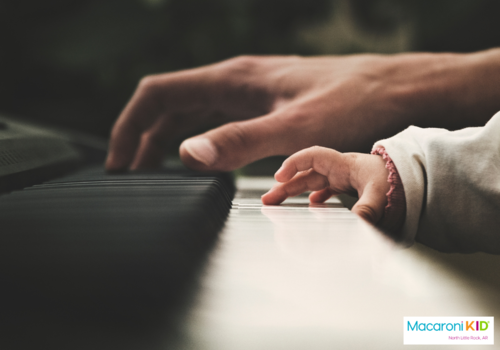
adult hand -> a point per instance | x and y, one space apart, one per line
328 173
279 105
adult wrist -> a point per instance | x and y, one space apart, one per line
447 90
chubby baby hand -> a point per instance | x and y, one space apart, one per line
327 173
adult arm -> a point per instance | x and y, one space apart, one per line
279 105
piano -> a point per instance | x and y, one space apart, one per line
174 259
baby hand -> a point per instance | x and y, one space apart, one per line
328 172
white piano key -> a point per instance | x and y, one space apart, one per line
288 277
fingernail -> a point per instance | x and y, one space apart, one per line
202 150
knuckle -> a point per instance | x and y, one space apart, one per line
243 63
148 83
314 182
298 120
298 116
318 161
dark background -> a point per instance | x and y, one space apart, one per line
76 63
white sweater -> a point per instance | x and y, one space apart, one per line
451 181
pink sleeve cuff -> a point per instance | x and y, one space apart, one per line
395 210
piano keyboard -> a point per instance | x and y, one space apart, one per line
120 246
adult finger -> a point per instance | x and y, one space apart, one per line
152 146
236 144
306 181
154 142
138 115
222 87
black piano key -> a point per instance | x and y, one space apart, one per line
116 246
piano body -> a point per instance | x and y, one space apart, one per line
165 260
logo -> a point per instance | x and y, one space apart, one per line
449 330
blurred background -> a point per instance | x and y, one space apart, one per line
76 63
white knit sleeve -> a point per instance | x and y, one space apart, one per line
451 181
